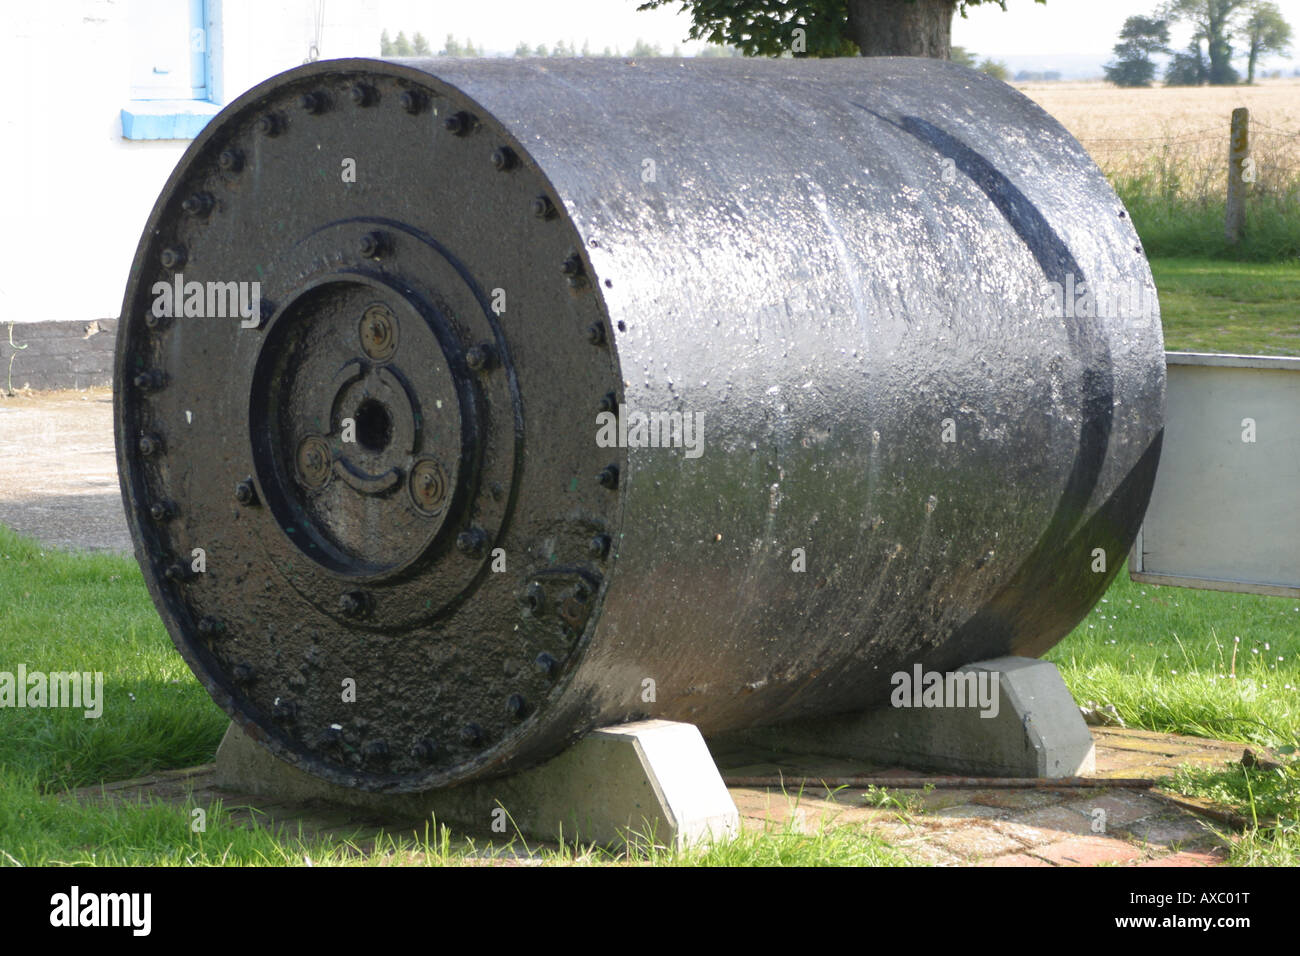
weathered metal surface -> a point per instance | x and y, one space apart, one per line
836 269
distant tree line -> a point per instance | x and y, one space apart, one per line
1256 25
417 45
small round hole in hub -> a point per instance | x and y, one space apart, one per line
374 426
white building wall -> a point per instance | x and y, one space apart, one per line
74 195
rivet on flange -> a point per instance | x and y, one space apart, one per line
598 547
412 101
471 735
149 445
268 124
210 626
608 477
480 357
374 244
424 749
609 402
162 510
516 707
314 102
231 160
504 158
150 381
363 94
542 207
176 572
458 124
533 599
354 603
173 257
472 542
199 204
596 333
547 664
246 492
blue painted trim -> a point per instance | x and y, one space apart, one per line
166 119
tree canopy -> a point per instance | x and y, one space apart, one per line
826 27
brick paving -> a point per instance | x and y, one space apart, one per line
1033 827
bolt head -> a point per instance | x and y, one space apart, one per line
353 603
372 245
245 492
471 735
312 102
542 207
471 542
411 101
608 477
479 357
173 257
424 749
267 124
149 381
231 160
547 664
200 204
533 599
504 158
458 124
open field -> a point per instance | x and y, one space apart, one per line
1165 150
1122 129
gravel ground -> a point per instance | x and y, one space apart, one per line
58 475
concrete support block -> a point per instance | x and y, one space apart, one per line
1037 730
648 781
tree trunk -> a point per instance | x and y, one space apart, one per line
902 28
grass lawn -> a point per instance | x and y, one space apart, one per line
1213 306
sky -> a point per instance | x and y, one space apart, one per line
1085 29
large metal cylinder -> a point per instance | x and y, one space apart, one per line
857 286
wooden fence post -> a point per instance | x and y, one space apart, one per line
1241 172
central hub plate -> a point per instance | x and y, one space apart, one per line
362 433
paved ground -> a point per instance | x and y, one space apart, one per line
945 827
58 474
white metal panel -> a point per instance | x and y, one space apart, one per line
1225 510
